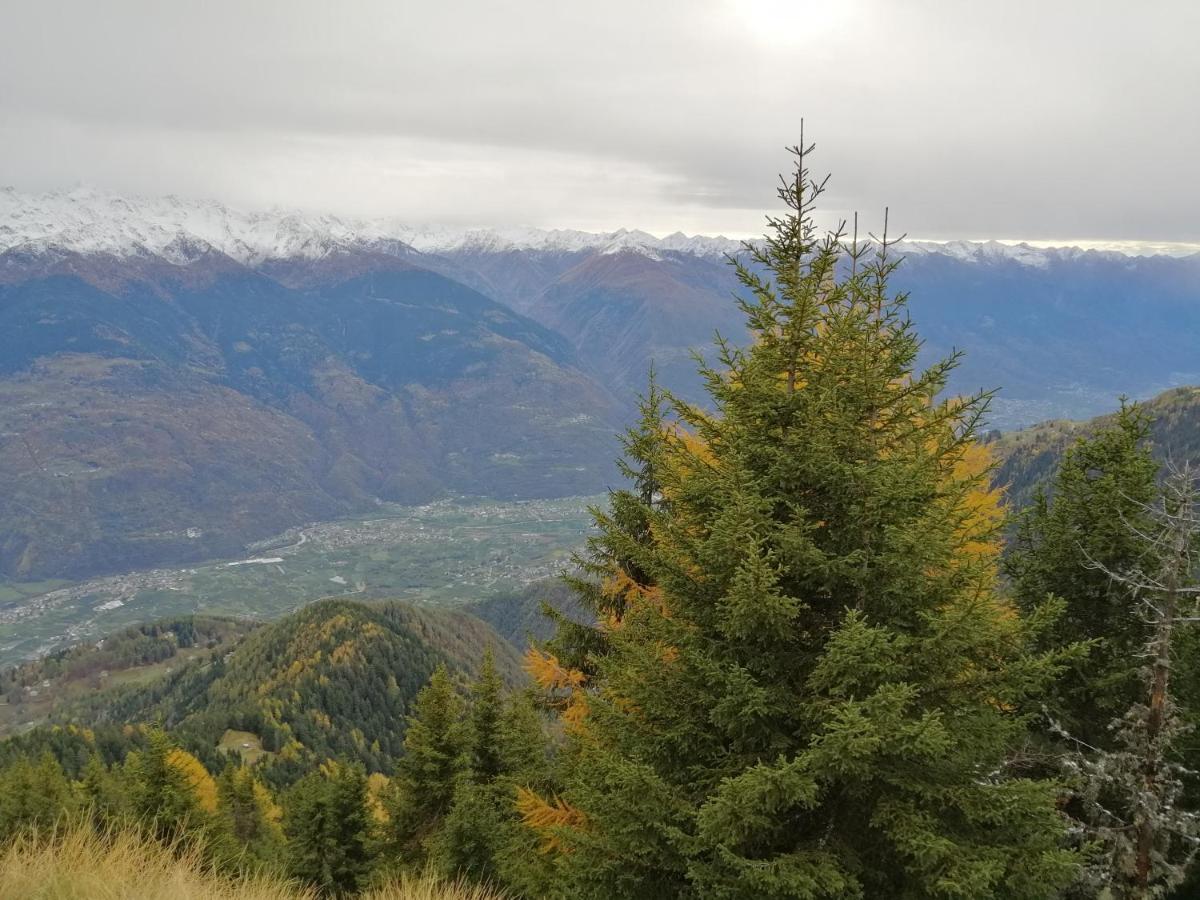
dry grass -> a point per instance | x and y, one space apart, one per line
76 864
427 888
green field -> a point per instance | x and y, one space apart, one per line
444 552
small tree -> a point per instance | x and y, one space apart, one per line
328 829
168 789
487 710
1095 509
435 755
1131 795
34 795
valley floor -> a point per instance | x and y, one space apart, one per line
446 552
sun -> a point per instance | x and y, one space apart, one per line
787 23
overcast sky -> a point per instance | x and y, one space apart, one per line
1048 120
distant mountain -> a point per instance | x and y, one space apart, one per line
1029 457
178 378
1060 332
154 410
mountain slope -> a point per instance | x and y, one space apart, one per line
336 678
171 413
1028 458
623 310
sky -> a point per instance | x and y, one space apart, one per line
1058 121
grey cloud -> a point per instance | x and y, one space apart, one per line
1014 120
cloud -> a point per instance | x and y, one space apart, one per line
1070 120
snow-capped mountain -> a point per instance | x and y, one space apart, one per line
88 221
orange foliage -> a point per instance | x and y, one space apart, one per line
543 816
549 673
620 586
574 714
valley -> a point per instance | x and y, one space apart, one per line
446 552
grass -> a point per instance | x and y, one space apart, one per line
77 864
245 743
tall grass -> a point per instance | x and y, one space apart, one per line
75 863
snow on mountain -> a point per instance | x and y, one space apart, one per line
87 221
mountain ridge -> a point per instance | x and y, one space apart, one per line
88 221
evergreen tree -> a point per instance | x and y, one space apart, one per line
248 815
1093 518
1132 795
809 684
481 837
34 795
486 713
162 793
435 755
101 791
328 829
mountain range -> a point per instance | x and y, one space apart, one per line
179 379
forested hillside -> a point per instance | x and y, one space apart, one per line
1028 457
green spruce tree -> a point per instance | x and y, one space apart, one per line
328 829
34 795
809 684
1093 519
487 708
435 756
160 794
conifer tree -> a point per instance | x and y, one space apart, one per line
1132 795
1093 518
328 829
486 715
247 814
163 794
809 684
34 795
481 837
101 791
435 755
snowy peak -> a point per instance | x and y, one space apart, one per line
87 221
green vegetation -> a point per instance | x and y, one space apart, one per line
1028 458
1095 509
334 680
35 691
804 661
442 553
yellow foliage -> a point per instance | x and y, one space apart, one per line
575 712
543 816
549 674
377 784
979 510
620 586
271 810
198 779
343 653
